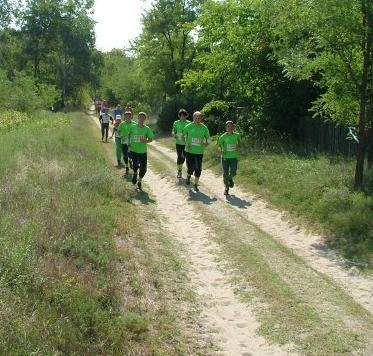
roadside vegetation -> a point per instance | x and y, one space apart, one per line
77 272
316 189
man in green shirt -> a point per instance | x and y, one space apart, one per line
123 131
228 144
197 137
177 132
139 137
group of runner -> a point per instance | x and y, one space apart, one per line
131 139
191 138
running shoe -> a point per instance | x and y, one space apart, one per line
134 179
187 182
231 183
139 185
196 188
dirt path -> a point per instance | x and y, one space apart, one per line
231 323
309 246
222 278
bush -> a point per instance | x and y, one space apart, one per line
11 118
335 200
23 94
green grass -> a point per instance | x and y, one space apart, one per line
316 189
65 285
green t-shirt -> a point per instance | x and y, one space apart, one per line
135 134
177 129
195 136
124 130
229 144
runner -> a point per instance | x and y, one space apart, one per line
104 119
118 141
104 107
197 137
228 144
98 107
118 111
177 131
139 136
123 130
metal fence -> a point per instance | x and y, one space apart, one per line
327 136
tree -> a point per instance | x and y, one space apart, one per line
119 81
330 43
234 67
60 43
165 50
7 9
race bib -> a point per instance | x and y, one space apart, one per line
105 119
179 136
196 141
137 138
231 147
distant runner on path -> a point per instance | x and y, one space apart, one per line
197 137
105 119
104 107
98 107
118 141
118 111
228 144
124 130
177 132
139 137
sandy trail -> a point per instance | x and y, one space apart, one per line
231 324
310 247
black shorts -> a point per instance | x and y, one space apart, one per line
194 164
140 163
180 149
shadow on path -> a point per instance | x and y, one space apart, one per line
202 197
238 202
143 197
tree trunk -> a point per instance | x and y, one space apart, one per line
370 148
361 151
370 88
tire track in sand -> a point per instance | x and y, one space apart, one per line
231 323
310 247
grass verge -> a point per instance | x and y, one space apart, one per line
315 189
69 236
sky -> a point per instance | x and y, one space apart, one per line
118 22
